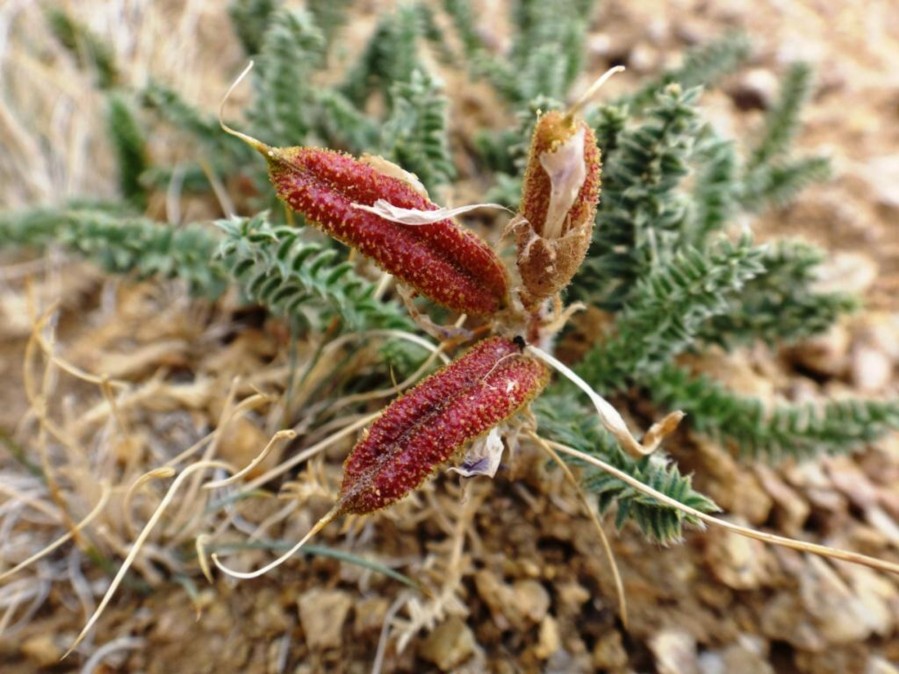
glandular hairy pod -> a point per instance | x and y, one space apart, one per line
559 198
424 428
440 260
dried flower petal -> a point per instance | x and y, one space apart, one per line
412 216
559 199
423 429
483 457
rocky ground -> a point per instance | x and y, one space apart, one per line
516 576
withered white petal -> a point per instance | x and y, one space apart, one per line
412 216
567 172
483 458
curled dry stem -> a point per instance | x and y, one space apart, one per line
254 143
105 491
15 596
609 416
312 372
139 542
163 472
230 412
321 524
591 511
106 388
74 370
37 399
187 510
262 479
394 608
277 438
773 539
422 320
202 559
120 644
24 498
308 453
355 398
591 91
244 406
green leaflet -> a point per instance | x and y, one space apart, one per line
302 281
563 420
797 431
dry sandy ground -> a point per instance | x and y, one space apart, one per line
519 580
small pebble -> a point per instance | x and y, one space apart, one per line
548 641
609 652
871 369
42 650
755 90
322 614
449 645
675 652
825 354
738 562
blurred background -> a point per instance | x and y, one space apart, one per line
518 578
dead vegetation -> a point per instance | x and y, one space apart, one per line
110 383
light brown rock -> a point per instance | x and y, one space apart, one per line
449 645
747 656
827 353
369 614
738 562
42 650
838 614
322 614
675 652
871 369
520 605
548 641
609 653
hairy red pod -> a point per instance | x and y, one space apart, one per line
442 261
428 425
558 204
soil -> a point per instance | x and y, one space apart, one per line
516 577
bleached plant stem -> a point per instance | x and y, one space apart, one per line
139 542
609 416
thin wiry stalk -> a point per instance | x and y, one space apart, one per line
606 546
97 509
162 473
139 542
277 438
120 644
319 447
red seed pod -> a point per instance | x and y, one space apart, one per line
333 190
558 204
440 260
424 428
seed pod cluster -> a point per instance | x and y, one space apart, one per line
441 260
558 204
354 201
429 424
